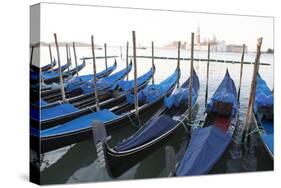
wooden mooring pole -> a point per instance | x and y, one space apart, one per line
105 56
191 79
75 58
252 91
60 72
127 58
152 60
135 77
69 53
67 57
241 73
207 80
31 55
178 62
95 78
51 58
121 55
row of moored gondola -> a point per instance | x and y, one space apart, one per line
162 110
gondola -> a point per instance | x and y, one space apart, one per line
36 72
78 92
121 115
47 89
49 66
152 135
50 77
63 68
263 115
44 68
63 112
208 143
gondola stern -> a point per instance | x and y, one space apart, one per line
170 160
99 139
102 149
227 72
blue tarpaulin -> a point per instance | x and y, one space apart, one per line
181 94
225 93
49 66
34 75
57 110
75 82
155 128
129 85
65 66
34 132
42 102
264 105
50 86
152 92
107 82
264 97
80 123
34 113
50 75
55 73
205 148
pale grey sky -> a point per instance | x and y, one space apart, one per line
114 26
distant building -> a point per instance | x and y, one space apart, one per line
197 36
235 48
216 45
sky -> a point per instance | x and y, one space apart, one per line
115 25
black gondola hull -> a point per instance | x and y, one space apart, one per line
117 164
263 148
57 91
104 105
52 143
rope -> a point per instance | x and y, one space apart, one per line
132 121
91 109
184 126
253 131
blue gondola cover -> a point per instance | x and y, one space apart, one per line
107 82
75 82
83 122
153 92
205 148
50 75
181 95
264 97
225 93
155 128
128 85
57 110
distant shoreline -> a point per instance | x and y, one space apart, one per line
100 47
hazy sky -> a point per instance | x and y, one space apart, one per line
114 26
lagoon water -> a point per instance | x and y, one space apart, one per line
78 162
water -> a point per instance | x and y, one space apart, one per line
78 162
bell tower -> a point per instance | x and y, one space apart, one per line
197 36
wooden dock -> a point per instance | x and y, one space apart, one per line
99 57
201 59
176 58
